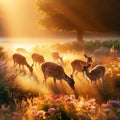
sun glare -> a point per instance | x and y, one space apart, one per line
25 46
18 18
7 14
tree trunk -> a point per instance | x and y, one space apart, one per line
80 36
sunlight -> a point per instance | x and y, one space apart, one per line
25 46
8 14
18 18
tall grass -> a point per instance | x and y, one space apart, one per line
10 78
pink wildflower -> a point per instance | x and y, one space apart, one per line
40 113
105 106
92 100
51 110
68 99
15 113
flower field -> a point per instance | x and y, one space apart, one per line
22 96
64 107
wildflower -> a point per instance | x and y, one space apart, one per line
92 109
114 117
72 96
105 106
68 99
83 116
107 111
73 103
51 110
114 103
35 99
15 113
4 109
47 116
40 113
92 100
57 96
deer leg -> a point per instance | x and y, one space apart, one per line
44 81
61 85
19 67
33 62
54 81
23 67
76 72
102 80
83 74
14 64
73 72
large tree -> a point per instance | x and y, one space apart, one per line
79 15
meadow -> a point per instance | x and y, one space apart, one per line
22 96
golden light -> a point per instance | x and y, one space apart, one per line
18 18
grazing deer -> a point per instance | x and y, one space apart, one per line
96 73
56 71
22 50
37 58
56 57
77 65
21 60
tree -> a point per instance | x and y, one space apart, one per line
79 15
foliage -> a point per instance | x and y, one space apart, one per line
72 14
62 107
6 80
79 15
87 46
109 44
100 103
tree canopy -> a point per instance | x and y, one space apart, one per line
79 15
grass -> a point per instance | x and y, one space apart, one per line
48 102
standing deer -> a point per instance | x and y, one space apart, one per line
22 50
56 71
96 73
77 65
37 58
21 60
56 57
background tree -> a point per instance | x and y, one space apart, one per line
79 15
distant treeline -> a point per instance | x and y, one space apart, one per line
87 45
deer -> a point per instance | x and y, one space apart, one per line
96 73
56 57
21 60
56 71
77 64
37 58
22 50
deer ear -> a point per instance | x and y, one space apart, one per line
91 56
85 55
71 76
32 65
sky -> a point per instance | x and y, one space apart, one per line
18 18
